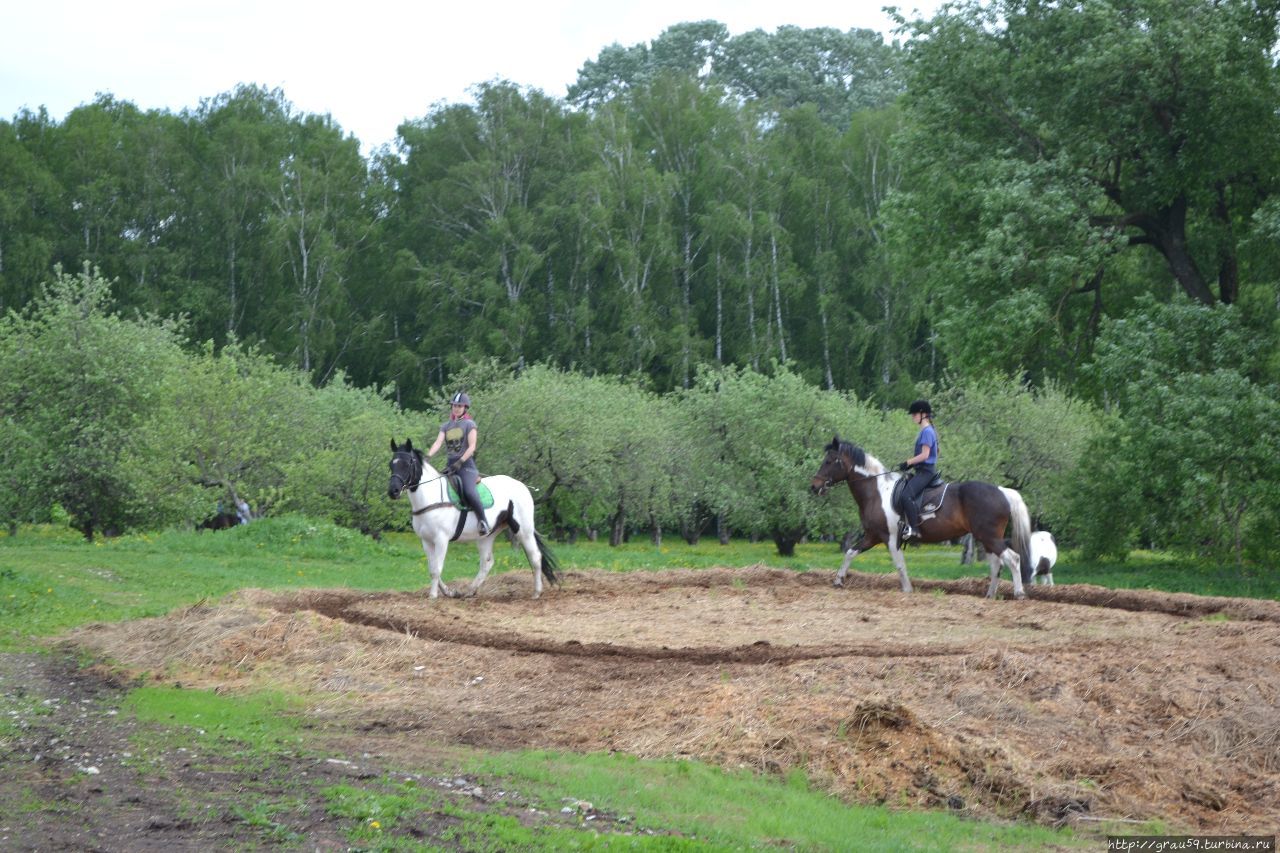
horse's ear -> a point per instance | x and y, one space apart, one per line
408 444
393 445
835 442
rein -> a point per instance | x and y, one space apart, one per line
869 477
430 507
848 464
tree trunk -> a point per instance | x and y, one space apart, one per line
1167 231
617 527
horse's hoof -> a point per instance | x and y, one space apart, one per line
1020 596
838 583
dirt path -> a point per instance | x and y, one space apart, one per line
1076 705
79 774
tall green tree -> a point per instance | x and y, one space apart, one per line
317 222
29 202
1047 141
83 380
237 142
1191 461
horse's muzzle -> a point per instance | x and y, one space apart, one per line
819 487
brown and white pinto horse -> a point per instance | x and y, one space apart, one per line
968 507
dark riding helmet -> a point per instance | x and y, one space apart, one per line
920 406
460 399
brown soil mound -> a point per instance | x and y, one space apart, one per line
1079 703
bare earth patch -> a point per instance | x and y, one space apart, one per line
1080 703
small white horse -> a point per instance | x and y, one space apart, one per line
435 519
1044 553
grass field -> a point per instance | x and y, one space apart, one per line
52 580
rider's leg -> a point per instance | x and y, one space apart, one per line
468 476
910 502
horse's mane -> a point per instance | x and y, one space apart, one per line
860 457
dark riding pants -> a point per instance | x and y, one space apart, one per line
466 478
920 478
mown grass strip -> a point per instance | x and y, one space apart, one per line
52 580
737 810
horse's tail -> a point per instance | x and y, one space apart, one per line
549 562
1020 521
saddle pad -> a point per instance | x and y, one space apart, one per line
930 499
486 496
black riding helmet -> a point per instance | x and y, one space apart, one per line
920 407
460 399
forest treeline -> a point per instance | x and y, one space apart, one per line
1042 199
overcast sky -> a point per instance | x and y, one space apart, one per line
369 65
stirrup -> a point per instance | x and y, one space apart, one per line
484 525
909 532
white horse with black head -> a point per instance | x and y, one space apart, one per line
436 519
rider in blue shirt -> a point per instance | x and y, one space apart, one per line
925 463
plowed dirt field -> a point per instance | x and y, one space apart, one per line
1078 704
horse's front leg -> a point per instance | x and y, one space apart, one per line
436 551
895 551
485 546
863 545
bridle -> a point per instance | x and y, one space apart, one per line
847 466
415 469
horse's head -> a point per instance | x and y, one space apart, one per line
837 465
406 468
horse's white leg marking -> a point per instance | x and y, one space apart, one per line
529 544
1013 560
844 567
435 562
994 562
1046 579
485 547
895 551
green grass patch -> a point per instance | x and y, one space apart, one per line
387 818
52 580
262 721
740 810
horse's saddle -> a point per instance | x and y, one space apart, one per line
486 496
930 498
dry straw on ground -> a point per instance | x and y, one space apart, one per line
1078 704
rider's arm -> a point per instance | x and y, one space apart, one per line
471 446
436 446
919 457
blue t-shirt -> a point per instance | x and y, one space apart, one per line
928 437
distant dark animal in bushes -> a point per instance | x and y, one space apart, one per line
221 521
